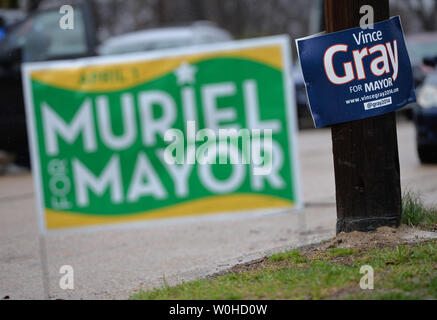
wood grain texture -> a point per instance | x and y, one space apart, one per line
366 157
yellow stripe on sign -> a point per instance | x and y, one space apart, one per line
225 203
121 76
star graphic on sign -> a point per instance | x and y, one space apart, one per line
185 74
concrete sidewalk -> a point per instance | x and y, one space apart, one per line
114 263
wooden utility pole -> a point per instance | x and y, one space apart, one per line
366 158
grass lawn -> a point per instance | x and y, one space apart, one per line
331 270
414 213
402 272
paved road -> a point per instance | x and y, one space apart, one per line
115 263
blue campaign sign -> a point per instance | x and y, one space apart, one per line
357 73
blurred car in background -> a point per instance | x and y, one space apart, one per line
304 117
421 46
2 28
425 116
8 17
201 32
36 38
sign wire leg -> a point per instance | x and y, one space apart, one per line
44 266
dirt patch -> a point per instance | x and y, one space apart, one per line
243 267
359 241
383 237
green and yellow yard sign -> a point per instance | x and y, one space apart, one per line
97 128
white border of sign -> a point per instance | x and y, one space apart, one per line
290 104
